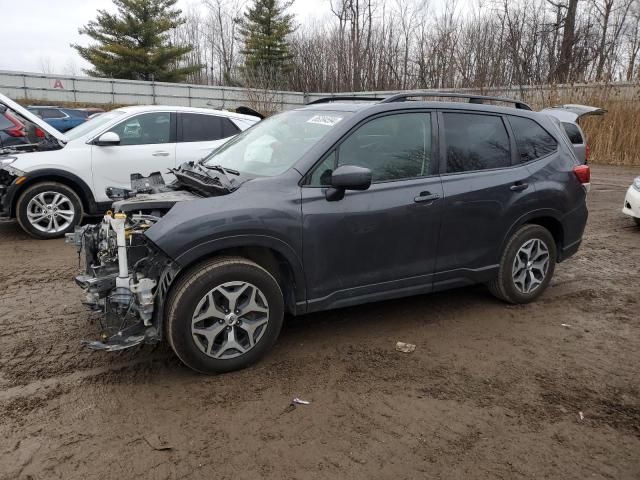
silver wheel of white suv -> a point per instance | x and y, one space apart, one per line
50 212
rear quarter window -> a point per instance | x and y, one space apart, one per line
573 132
532 140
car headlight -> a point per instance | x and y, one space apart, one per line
636 183
7 161
12 170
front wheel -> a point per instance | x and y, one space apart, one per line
224 315
526 266
48 210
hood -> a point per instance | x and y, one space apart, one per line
44 126
572 112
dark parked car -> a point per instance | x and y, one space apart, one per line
331 205
62 119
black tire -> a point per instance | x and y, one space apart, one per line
194 286
504 286
47 188
637 220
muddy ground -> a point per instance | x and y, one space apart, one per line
492 391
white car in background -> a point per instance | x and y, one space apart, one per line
48 187
631 205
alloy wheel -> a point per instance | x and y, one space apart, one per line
50 212
230 320
530 265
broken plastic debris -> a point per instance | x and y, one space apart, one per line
581 415
299 401
405 347
566 325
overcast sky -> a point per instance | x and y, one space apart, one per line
36 34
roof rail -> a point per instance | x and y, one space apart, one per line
341 98
473 98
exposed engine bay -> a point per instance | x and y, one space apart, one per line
123 271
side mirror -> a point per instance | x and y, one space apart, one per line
108 139
348 177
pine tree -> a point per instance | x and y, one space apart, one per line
135 44
265 28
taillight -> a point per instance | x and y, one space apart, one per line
583 173
18 128
15 132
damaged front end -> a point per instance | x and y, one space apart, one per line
126 279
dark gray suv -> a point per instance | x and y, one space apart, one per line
338 203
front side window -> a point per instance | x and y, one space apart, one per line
532 140
475 142
274 145
393 147
145 129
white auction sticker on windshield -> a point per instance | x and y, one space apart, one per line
328 120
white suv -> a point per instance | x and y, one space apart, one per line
49 186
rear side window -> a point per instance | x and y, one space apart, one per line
573 132
206 128
475 142
532 140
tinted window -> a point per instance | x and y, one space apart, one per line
573 132
475 142
145 129
229 129
532 140
202 128
392 147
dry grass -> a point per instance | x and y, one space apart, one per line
614 137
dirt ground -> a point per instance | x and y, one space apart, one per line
492 391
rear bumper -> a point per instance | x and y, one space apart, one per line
573 224
631 205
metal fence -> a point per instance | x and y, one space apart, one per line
60 88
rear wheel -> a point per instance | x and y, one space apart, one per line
48 210
526 266
224 315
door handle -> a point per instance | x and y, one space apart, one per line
160 154
425 197
519 186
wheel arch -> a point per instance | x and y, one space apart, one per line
273 255
548 219
70 180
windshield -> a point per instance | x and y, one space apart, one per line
272 146
92 124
